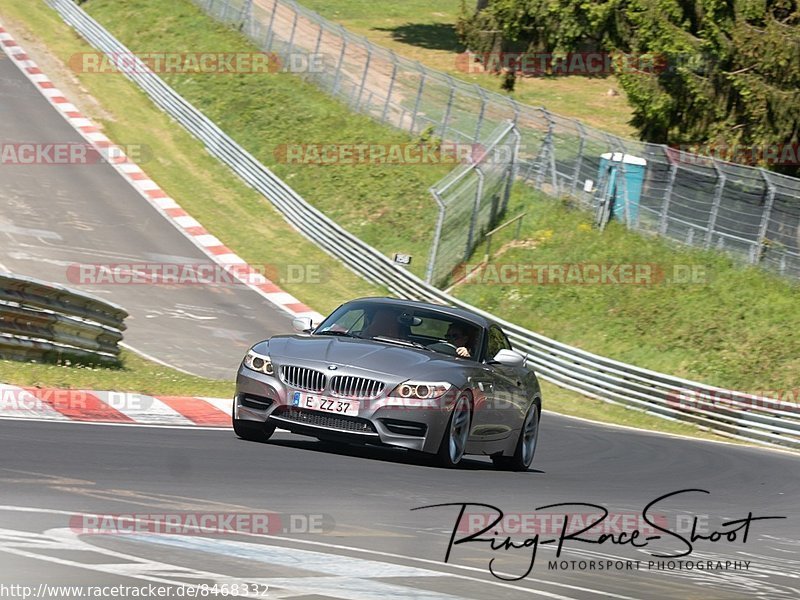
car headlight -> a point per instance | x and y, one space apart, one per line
421 390
258 362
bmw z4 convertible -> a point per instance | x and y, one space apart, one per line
424 377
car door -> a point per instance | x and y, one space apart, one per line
511 400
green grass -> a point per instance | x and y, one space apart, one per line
424 31
734 327
390 208
135 374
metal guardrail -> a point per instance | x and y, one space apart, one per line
731 413
41 320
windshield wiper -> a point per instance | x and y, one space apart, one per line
409 343
340 333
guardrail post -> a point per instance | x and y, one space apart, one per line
418 100
270 31
337 78
712 221
760 249
436 237
391 87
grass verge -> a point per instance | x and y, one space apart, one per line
700 316
135 375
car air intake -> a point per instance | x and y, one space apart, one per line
303 379
253 401
405 427
356 387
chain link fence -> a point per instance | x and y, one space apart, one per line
471 198
749 212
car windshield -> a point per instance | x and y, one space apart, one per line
410 326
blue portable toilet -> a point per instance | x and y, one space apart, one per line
624 194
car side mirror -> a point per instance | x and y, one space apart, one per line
509 358
302 324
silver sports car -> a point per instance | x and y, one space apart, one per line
413 375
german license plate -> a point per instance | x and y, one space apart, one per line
338 406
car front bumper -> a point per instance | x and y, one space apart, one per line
384 420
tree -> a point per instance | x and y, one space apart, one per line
729 71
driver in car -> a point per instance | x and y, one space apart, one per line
459 338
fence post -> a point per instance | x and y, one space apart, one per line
290 45
270 33
477 135
673 172
337 78
764 226
476 207
422 76
319 40
712 220
578 161
246 14
449 107
391 87
512 167
364 75
545 152
437 234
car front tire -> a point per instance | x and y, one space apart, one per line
456 434
252 431
526 444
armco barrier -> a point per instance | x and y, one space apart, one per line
743 416
44 320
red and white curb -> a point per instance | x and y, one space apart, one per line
218 252
30 403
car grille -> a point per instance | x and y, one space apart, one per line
303 379
356 387
312 417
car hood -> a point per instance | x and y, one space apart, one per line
380 357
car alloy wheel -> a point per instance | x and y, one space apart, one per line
526 444
454 440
